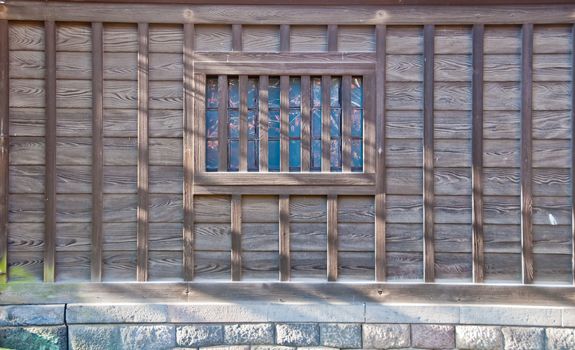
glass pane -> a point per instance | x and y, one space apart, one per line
274 124
252 124
316 92
335 155
273 155
294 92
234 156
356 92
316 123
335 92
252 93
356 155
212 155
335 123
274 93
295 155
212 95
234 93
212 123
253 155
294 123
234 124
357 123
316 155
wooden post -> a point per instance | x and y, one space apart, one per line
236 237
4 148
284 238
332 240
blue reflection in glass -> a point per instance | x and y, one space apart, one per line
233 93
335 92
356 123
212 95
273 155
274 124
356 92
212 158
252 93
316 92
316 123
234 156
294 123
357 155
335 155
295 155
335 122
294 92
316 155
253 159
212 123
274 92
252 124
234 124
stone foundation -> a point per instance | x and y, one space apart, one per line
284 326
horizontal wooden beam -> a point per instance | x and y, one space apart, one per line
280 68
283 189
286 179
133 292
331 2
507 13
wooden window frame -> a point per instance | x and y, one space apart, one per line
215 64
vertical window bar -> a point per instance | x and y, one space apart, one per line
284 123
243 88
305 123
295 121
325 126
223 122
274 97
346 121
264 122
233 124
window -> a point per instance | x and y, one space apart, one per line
292 117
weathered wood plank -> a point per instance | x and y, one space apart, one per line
166 38
573 160
332 239
258 38
216 37
189 166
356 39
285 36
143 153
97 149
308 38
4 148
50 154
332 34
380 161
526 155
428 154
284 238
236 230
237 44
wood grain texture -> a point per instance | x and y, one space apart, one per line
97 150
237 35
166 38
356 39
257 38
310 38
50 154
428 154
332 238
188 162
573 161
380 162
143 214
285 37
4 148
526 156
213 38
284 238
332 34
236 230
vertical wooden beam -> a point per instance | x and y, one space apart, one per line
369 130
284 238
284 123
305 122
346 123
222 123
332 240
50 148
477 156
236 237
97 149
284 37
264 121
380 172
526 149
428 190
332 37
237 44
573 154
143 154
325 123
4 149
188 200
243 87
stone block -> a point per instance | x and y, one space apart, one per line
315 312
560 338
297 334
199 335
31 315
94 337
478 337
340 335
523 338
512 316
246 334
149 337
217 313
384 313
432 336
385 336
48 338
116 313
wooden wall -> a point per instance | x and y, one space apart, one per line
475 124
